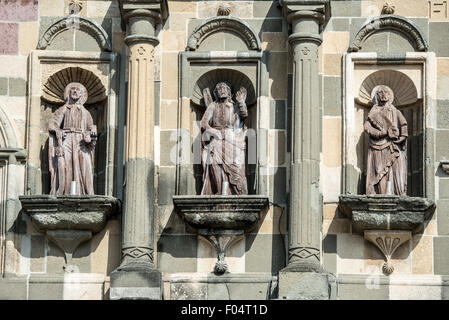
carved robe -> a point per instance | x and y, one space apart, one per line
72 158
224 159
387 157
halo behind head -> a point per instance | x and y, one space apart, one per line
376 89
84 95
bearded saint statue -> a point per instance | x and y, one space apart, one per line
223 142
71 145
386 170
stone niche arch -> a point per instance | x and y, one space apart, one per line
77 23
50 72
402 29
412 82
52 99
228 31
205 63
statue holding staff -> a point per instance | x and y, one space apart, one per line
72 142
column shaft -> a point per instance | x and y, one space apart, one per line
305 198
138 217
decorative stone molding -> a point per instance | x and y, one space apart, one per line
387 221
389 22
220 220
69 221
53 89
405 92
84 24
445 165
387 242
223 23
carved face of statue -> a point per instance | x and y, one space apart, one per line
222 91
75 93
382 95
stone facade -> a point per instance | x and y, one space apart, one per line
307 117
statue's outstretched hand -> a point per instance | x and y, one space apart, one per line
240 96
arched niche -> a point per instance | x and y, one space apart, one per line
379 33
204 64
96 105
411 80
50 72
87 33
209 80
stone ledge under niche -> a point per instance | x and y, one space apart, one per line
387 221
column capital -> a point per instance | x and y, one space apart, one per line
154 9
296 9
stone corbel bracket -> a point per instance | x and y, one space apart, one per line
445 165
220 220
68 221
387 221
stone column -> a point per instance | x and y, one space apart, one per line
303 278
137 277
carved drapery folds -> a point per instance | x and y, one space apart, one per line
222 23
78 22
389 22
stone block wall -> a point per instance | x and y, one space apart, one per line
179 250
345 251
421 264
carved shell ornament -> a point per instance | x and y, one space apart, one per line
53 89
405 92
211 78
224 10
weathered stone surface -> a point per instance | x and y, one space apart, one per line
386 212
9 38
440 256
13 288
305 286
436 29
177 253
69 212
3 86
220 212
136 284
264 253
25 10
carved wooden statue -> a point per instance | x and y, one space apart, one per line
71 144
386 171
223 142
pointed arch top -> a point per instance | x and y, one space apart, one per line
77 22
224 23
389 22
